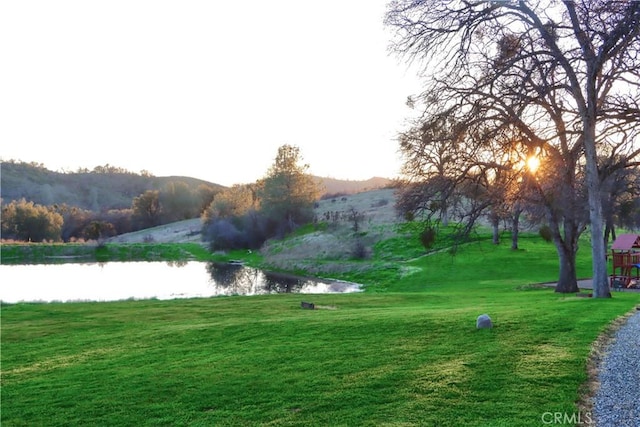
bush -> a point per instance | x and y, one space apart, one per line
224 235
248 231
360 251
379 203
428 236
546 233
327 196
98 229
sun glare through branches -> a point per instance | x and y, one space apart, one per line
533 163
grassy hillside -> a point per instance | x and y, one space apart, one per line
87 190
332 186
187 231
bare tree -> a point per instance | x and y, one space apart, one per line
433 152
622 190
458 166
561 71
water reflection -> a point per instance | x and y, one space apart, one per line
240 280
236 278
143 280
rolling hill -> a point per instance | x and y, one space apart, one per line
108 187
94 191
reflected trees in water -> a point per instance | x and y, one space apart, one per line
241 280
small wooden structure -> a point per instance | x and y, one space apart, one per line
625 254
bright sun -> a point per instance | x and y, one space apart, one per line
533 163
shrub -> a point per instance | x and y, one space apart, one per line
248 231
379 203
428 236
360 251
98 230
224 235
546 233
327 196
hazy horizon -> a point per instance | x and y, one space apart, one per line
139 172
184 89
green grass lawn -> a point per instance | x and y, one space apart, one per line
406 352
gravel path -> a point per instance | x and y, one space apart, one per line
617 401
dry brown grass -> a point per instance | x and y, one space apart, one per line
187 231
330 246
376 205
337 242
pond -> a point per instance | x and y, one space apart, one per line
113 281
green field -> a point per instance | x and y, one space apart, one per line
404 352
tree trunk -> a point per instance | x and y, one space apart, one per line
607 213
515 228
567 282
609 232
444 216
495 224
598 253
613 233
567 247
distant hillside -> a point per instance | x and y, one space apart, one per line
338 186
102 190
88 190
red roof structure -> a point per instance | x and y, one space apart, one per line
625 253
626 242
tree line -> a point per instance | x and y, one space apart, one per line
242 216
25 220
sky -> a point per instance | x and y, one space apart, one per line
202 88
